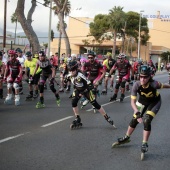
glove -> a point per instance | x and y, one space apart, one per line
132 77
18 79
137 115
90 86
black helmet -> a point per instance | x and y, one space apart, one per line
91 53
28 54
18 50
72 65
41 53
145 70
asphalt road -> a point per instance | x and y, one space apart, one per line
40 139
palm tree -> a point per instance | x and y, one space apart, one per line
14 20
62 9
117 19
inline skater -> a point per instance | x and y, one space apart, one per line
82 86
48 72
95 71
30 64
146 108
124 67
2 69
136 68
108 64
21 57
13 76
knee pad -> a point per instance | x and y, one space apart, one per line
74 101
95 104
52 87
133 123
123 84
9 85
147 122
16 86
117 85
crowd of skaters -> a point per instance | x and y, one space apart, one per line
85 74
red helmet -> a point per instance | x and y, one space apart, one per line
13 52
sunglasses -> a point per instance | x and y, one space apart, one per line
90 58
144 77
120 58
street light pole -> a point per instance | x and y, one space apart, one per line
49 29
4 36
139 34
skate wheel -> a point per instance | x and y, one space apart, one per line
72 127
142 156
115 144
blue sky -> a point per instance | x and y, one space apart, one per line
89 8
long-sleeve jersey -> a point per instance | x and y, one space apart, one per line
80 81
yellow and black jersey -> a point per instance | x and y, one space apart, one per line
147 94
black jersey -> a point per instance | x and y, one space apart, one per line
148 94
45 66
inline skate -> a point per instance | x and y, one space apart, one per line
8 99
144 149
76 123
120 141
40 105
29 97
104 92
122 97
109 120
17 100
58 101
113 98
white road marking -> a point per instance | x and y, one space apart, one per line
107 104
12 137
60 120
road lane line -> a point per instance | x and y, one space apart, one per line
107 103
60 120
12 137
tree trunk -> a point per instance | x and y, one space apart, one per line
15 32
62 28
26 23
114 45
59 44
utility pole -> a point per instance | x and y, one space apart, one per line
4 36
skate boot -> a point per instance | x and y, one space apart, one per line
144 149
29 97
109 120
122 97
58 101
40 105
113 98
35 95
84 103
61 90
94 109
76 123
104 91
8 99
120 141
17 100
